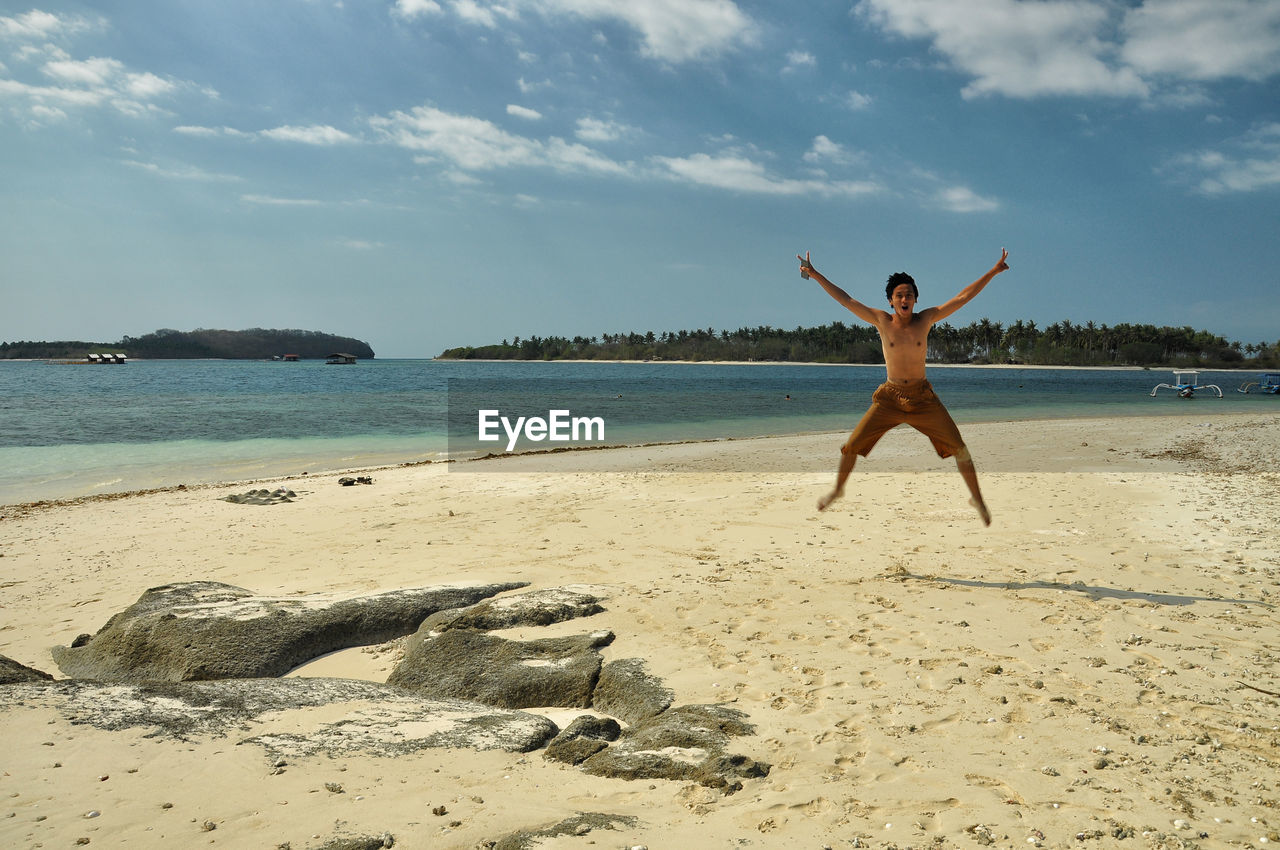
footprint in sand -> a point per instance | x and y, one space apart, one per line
869 680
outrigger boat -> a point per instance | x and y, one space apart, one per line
1268 383
1185 385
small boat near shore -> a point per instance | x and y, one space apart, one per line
1185 384
1268 383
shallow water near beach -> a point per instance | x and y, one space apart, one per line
69 431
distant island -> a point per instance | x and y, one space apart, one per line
168 344
982 342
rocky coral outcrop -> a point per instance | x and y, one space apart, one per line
578 825
12 672
201 657
470 665
583 738
535 608
209 630
685 743
627 692
380 720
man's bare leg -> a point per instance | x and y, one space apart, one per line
847 460
964 463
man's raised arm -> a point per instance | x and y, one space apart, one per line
964 296
857 308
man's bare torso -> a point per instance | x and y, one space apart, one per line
904 346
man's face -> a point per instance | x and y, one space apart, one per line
903 299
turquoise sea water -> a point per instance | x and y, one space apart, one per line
68 431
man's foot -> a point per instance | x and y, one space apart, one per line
825 501
982 510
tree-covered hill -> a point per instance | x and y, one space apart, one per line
1060 344
252 344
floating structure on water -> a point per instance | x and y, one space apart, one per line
93 360
1268 383
341 360
1185 384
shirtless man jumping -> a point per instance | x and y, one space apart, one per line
906 396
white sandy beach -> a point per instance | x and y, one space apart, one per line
1099 668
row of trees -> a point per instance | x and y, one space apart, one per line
166 343
984 341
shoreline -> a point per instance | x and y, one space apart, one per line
15 508
931 365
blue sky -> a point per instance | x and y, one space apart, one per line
430 173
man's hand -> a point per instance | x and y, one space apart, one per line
805 266
1002 266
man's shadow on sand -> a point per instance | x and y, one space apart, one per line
1092 591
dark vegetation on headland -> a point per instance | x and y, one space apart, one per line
252 344
982 342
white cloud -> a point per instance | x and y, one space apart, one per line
962 199
461 178
670 30
474 13
1019 48
1204 39
825 150
1247 164
474 144
147 85
316 134
465 145
597 130
797 59
268 201
94 72
523 112
188 130
361 244
738 174
40 95
410 9
187 172
313 135
529 88
857 100
47 114
1016 49
97 81
37 25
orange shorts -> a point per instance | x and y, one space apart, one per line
918 406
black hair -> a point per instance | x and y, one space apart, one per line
897 279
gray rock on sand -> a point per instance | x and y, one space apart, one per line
262 497
11 672
210 630
583 738
627 692
578 825
684 743
470 665
380 720
535 608
364 842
